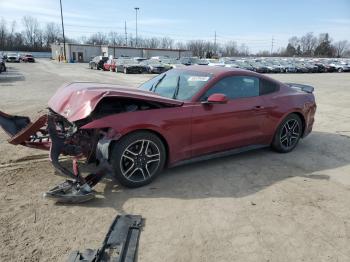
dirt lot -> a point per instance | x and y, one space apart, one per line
257 206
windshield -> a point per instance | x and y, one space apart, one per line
177 84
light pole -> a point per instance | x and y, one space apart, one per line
136 9
64 39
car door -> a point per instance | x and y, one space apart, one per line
237 123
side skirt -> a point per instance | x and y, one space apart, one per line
219 154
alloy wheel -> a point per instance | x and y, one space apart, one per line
290 134
140 160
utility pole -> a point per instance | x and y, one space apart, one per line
215 43
126 36
272 42
64 39
136 9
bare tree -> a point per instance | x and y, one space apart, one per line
341 47
166 42
230 48
197 47
31 28
115 39
3 33
294 41
243 50
308 44
52 33
98 38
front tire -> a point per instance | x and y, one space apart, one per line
138 158
287 134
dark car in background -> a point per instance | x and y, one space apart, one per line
155 67
27 58
129 66
2 65
97 62
259 67
193 61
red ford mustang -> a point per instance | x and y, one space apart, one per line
180 116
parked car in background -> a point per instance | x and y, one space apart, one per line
341 67
154 66
139 59
259 67
172 63
110 65
97 62
12 57
290 68
2 65
129 66
215 62
193 61
27 58
301 68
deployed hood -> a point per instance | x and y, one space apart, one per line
77 100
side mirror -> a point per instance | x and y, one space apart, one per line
216 99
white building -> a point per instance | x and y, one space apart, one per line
84 53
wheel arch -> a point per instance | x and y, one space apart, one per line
158 134
303 121
296 112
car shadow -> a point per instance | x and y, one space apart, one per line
236 176
12 74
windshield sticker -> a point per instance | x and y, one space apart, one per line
198 78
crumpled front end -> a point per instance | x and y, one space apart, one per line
55 133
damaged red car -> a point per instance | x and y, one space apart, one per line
181 116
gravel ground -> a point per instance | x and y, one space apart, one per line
256 206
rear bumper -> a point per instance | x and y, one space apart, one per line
310 119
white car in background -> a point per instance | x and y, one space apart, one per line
215 62
13 57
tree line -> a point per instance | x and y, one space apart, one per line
37 37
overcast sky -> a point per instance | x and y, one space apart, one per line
247 21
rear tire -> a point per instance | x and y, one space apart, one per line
287 134
138 158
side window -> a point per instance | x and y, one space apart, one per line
267 87
235 87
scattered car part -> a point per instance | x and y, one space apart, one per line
119 245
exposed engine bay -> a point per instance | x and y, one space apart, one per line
61 137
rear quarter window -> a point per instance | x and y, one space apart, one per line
268 87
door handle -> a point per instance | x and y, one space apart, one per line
258 107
